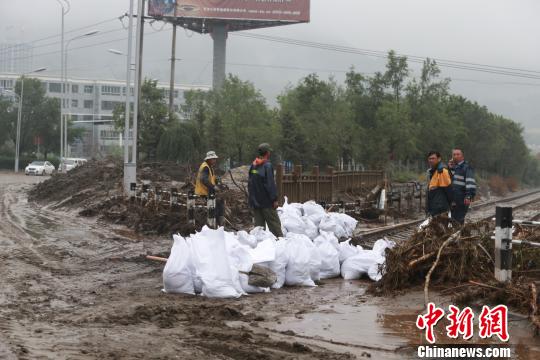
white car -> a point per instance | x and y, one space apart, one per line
39 168
70 164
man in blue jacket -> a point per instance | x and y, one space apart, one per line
263 196
463 185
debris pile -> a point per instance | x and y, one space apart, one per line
460 261
95 190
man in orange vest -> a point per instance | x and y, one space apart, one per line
439 196
206 177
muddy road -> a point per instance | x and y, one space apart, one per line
72 288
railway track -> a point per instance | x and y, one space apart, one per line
480 211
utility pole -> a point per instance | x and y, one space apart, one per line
138 77
65 7
173 63
130 169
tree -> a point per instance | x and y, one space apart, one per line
232 120
153 118
397 71
40 117
179 143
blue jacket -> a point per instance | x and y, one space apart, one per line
261 186
463 182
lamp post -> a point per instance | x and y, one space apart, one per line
127 110
19 118
65 86
65 8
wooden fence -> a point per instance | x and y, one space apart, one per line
299 186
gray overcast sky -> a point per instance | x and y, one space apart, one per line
495 32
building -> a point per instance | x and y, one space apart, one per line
16 58
90 104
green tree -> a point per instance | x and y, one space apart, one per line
232 120
153 118
396 73
40 117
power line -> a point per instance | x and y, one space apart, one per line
304 69
83 47
529 74
67 32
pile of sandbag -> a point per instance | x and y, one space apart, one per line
216 263
312 220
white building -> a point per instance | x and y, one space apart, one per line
90 104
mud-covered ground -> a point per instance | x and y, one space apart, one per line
75 288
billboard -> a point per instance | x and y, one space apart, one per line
264 10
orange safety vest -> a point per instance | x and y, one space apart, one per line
440 179
200 188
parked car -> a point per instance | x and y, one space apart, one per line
39 168
70 164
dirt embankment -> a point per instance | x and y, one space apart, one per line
95 190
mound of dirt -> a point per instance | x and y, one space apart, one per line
95 189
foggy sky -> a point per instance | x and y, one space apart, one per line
494 32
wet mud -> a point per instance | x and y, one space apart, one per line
79 288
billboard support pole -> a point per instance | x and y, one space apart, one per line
219 35
173 63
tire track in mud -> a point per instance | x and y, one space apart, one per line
74 288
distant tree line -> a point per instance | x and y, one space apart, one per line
40 122
374 121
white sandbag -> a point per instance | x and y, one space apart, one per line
244 281
310 229
264 252
381 245
246 239
299 253
356 266
177 274
197 281
279 265
347 222
331 223
260 234
239 259
329 260
327 237
290 209
312 208
293 223
212 263
374 271
315 263
316 218
346 250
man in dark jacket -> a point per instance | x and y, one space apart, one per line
263 191
439 195
463 185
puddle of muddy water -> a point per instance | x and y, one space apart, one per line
386 328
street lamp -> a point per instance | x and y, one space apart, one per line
65 85
65 8
130 167
19 117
